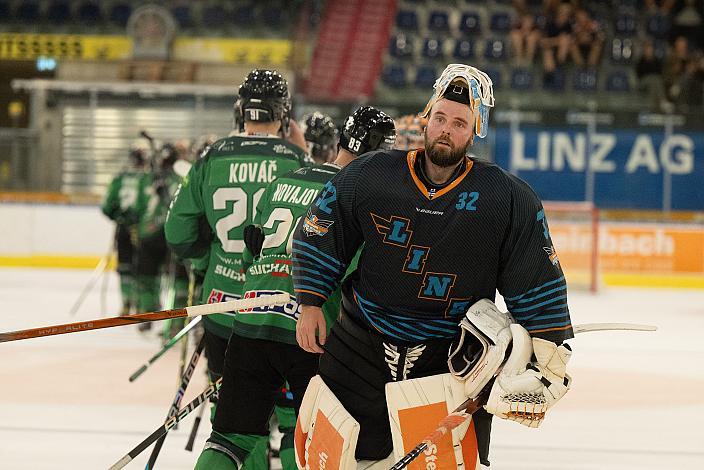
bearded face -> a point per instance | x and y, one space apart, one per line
442 152
449 133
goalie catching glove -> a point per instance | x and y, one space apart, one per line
484 339
533 379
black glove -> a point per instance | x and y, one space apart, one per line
254 239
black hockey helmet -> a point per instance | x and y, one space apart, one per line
320 133
264 97
138 157
167 156
368 129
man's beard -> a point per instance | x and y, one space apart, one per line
443 156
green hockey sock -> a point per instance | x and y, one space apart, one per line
223 451
287 426
127 291
148 294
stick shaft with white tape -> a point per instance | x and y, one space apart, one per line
207 309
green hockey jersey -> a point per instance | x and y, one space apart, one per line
283 205
216 200
155 198
122 198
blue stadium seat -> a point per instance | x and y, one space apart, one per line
618 81
470 23
625 25
495 49
58 12
214 16
407 20
439 21
433 49
425 76
495 75
5 10
621 50
243 15
401 46
585 80
658 26
522 79
660 49
273 15
120 13
554 81
464 50
89 13
500 23
28 12
395 75
182 15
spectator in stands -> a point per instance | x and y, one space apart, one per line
674 71
588 40
524 34
649 72
688 21
692 92
659 7
558 37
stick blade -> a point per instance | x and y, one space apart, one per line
590 327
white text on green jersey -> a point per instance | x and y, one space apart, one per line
253 172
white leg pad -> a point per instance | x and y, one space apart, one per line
416 406
326 434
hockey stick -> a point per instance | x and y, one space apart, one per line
194 430
176 403
207 309
471 406
448 423
184 331
97 272
170 423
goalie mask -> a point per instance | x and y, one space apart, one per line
264 97
366 130
467 85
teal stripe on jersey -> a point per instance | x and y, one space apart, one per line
511 299
317 251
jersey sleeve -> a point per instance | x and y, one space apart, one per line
111 202
530 278
186 227
326 239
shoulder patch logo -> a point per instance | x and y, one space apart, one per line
552 254
312 225
282 149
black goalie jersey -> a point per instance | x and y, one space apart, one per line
429 253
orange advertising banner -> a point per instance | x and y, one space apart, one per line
629 248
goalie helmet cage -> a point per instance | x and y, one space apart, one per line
574 229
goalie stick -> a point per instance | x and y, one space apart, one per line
173 409
470 406
207 309
164 428
177 337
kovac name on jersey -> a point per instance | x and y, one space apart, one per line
430 252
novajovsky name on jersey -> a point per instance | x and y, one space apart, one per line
290 310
